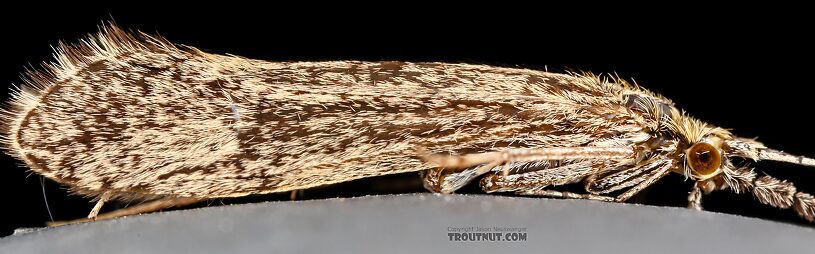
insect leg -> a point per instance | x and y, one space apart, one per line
695 198
531 183
638 176
138 209
523 182
623 176
540 178
437 181
449 165
296 194
520 155
564 194
639 187
95 211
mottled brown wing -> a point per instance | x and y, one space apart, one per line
143 118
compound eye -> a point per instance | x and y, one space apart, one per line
704 159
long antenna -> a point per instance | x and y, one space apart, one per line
775 155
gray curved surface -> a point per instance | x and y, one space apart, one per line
420 223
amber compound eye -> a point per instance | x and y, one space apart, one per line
704 159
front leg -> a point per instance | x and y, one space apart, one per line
695 198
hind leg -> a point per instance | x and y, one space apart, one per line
95 211
151 206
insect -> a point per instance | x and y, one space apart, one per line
132 117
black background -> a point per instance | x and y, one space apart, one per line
747 68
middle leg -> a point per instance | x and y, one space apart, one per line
563 194
461 167
533 183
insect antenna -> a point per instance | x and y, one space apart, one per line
748 148
775 155
768 190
